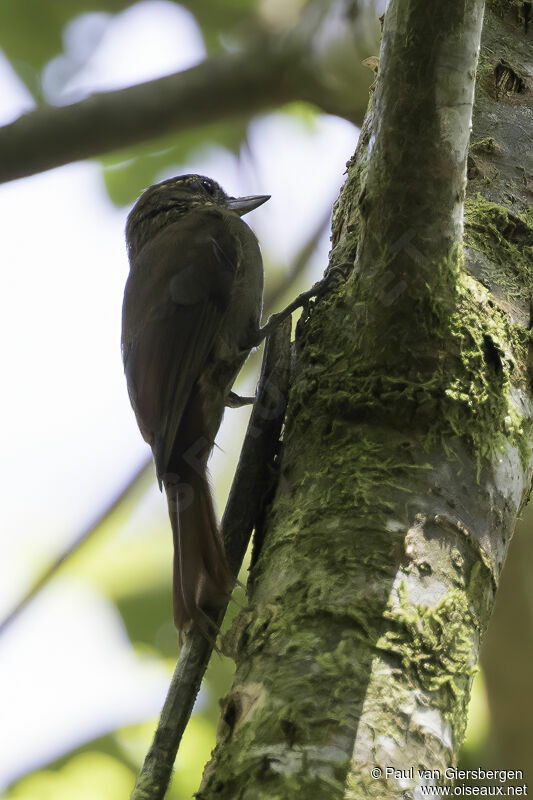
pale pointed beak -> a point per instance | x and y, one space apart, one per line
242 205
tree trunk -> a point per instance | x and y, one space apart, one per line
406 455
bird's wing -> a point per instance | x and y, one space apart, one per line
178 290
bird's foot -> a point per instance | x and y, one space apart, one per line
317 290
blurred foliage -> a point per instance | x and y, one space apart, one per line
476 743
85 777
105 768
221 17
31 32
128 559
507 655
130 171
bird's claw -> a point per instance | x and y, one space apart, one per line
234 400
317 290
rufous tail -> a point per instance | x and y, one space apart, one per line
202 578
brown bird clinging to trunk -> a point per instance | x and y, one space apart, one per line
192 307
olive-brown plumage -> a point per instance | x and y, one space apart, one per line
191 312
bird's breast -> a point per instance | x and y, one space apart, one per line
237 330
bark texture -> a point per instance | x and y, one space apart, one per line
407 449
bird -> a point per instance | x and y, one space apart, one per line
191 314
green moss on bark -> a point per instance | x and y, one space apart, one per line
435 648
488 146
462 388
506 240
502 7
434 644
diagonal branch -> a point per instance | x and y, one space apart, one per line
250 486
132 485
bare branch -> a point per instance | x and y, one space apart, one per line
250 485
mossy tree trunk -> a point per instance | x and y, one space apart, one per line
406 456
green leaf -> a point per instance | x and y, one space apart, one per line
31 32
130 171
84 777
221 17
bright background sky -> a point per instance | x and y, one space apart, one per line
68 436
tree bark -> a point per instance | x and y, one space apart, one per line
406 455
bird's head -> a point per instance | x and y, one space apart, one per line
167 201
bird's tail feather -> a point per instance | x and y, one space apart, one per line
202 578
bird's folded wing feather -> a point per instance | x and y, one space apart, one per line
175 298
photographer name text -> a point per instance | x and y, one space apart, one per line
453 774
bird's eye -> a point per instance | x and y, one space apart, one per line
208 186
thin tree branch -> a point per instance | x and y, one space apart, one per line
126 492
250 485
